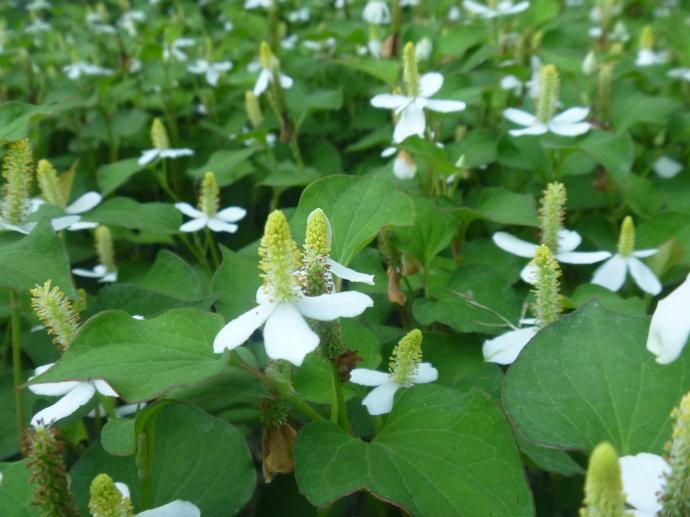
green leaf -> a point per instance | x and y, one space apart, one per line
9 434
434 156
356 209
235 284
33 259
502 206
591 378
118 437
456 43
479 148
471 466
229 165
475 299
113 175
16 491
142 359
146 217
384 70
614 152
320 100
16 117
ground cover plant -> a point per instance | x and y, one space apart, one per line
268 257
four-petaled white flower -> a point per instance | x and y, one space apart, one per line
376 12
175 49
612 273
266 77
411 109
99 271
74 394
670 327
568 240
72 221
76 70
211 70
176 508
223 221
505 348
380 400
502 8
150 155
286 334
643 477
568 123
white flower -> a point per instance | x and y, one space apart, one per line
176 508
411 109
376 12
404 166
99 271
505 348
612 273
149 155
647 57
256 4
680 73
502 8
453 14
220 222
37 26
266 77
174 50
568 123
286 334
211 70
37 5
643 477
289 43
589 63
380 400
72 221
670 327
568 240
667 168
300 15
511 83
75 70
423 49
75 394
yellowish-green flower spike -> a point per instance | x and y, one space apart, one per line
626 240
106 500
646 38
159 136
49 183
410 72
253 109
55 312
676 498
319 233
16 169
406 357
604 83
549 86
604 495
266 57
317 248
209 195
48 473
547 303
279 258
104 248
552 214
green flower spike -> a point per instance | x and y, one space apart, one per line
106 500
105 249
626 240
552 214
279 259
159 136
549 86
253 109
547 304
315 273
603 486
410 71
676 498
49 183
17 171
209 195
406 357
55 312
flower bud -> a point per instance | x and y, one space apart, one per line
253 109
547 303
55 312
646 38
209 195
406 357
626 240
676 497
404 166
604 495
159 136
319 233
410 72
589 64
49 183
16 169
314 273
549 86
266 57
552 214
106 500
424 49
279 258
104 248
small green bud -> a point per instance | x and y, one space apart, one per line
549 86
159 136
16 169
626 240
676 497
552 214
104 248
106 500
547 304
406 357
646 38
55 312
49 183
253 109
279 258
48 473
266 57
410 72
272 412
209 195
604 495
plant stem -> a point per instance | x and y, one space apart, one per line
338 408
17 359
214 249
